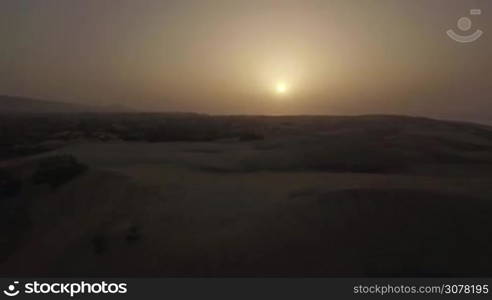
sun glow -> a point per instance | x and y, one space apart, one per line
281 88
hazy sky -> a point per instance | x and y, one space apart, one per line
335 57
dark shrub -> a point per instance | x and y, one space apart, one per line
100 243
58 170
15 222
133 235
9 185
14 217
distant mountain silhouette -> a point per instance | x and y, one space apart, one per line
10 104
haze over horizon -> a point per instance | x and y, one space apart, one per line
250 57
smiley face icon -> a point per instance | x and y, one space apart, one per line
465 24
11 290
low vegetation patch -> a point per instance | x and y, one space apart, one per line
10 186
250 136
58 170
14 218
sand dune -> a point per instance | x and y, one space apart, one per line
362 196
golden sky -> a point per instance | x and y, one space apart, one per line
229 57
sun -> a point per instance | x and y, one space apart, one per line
281 87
